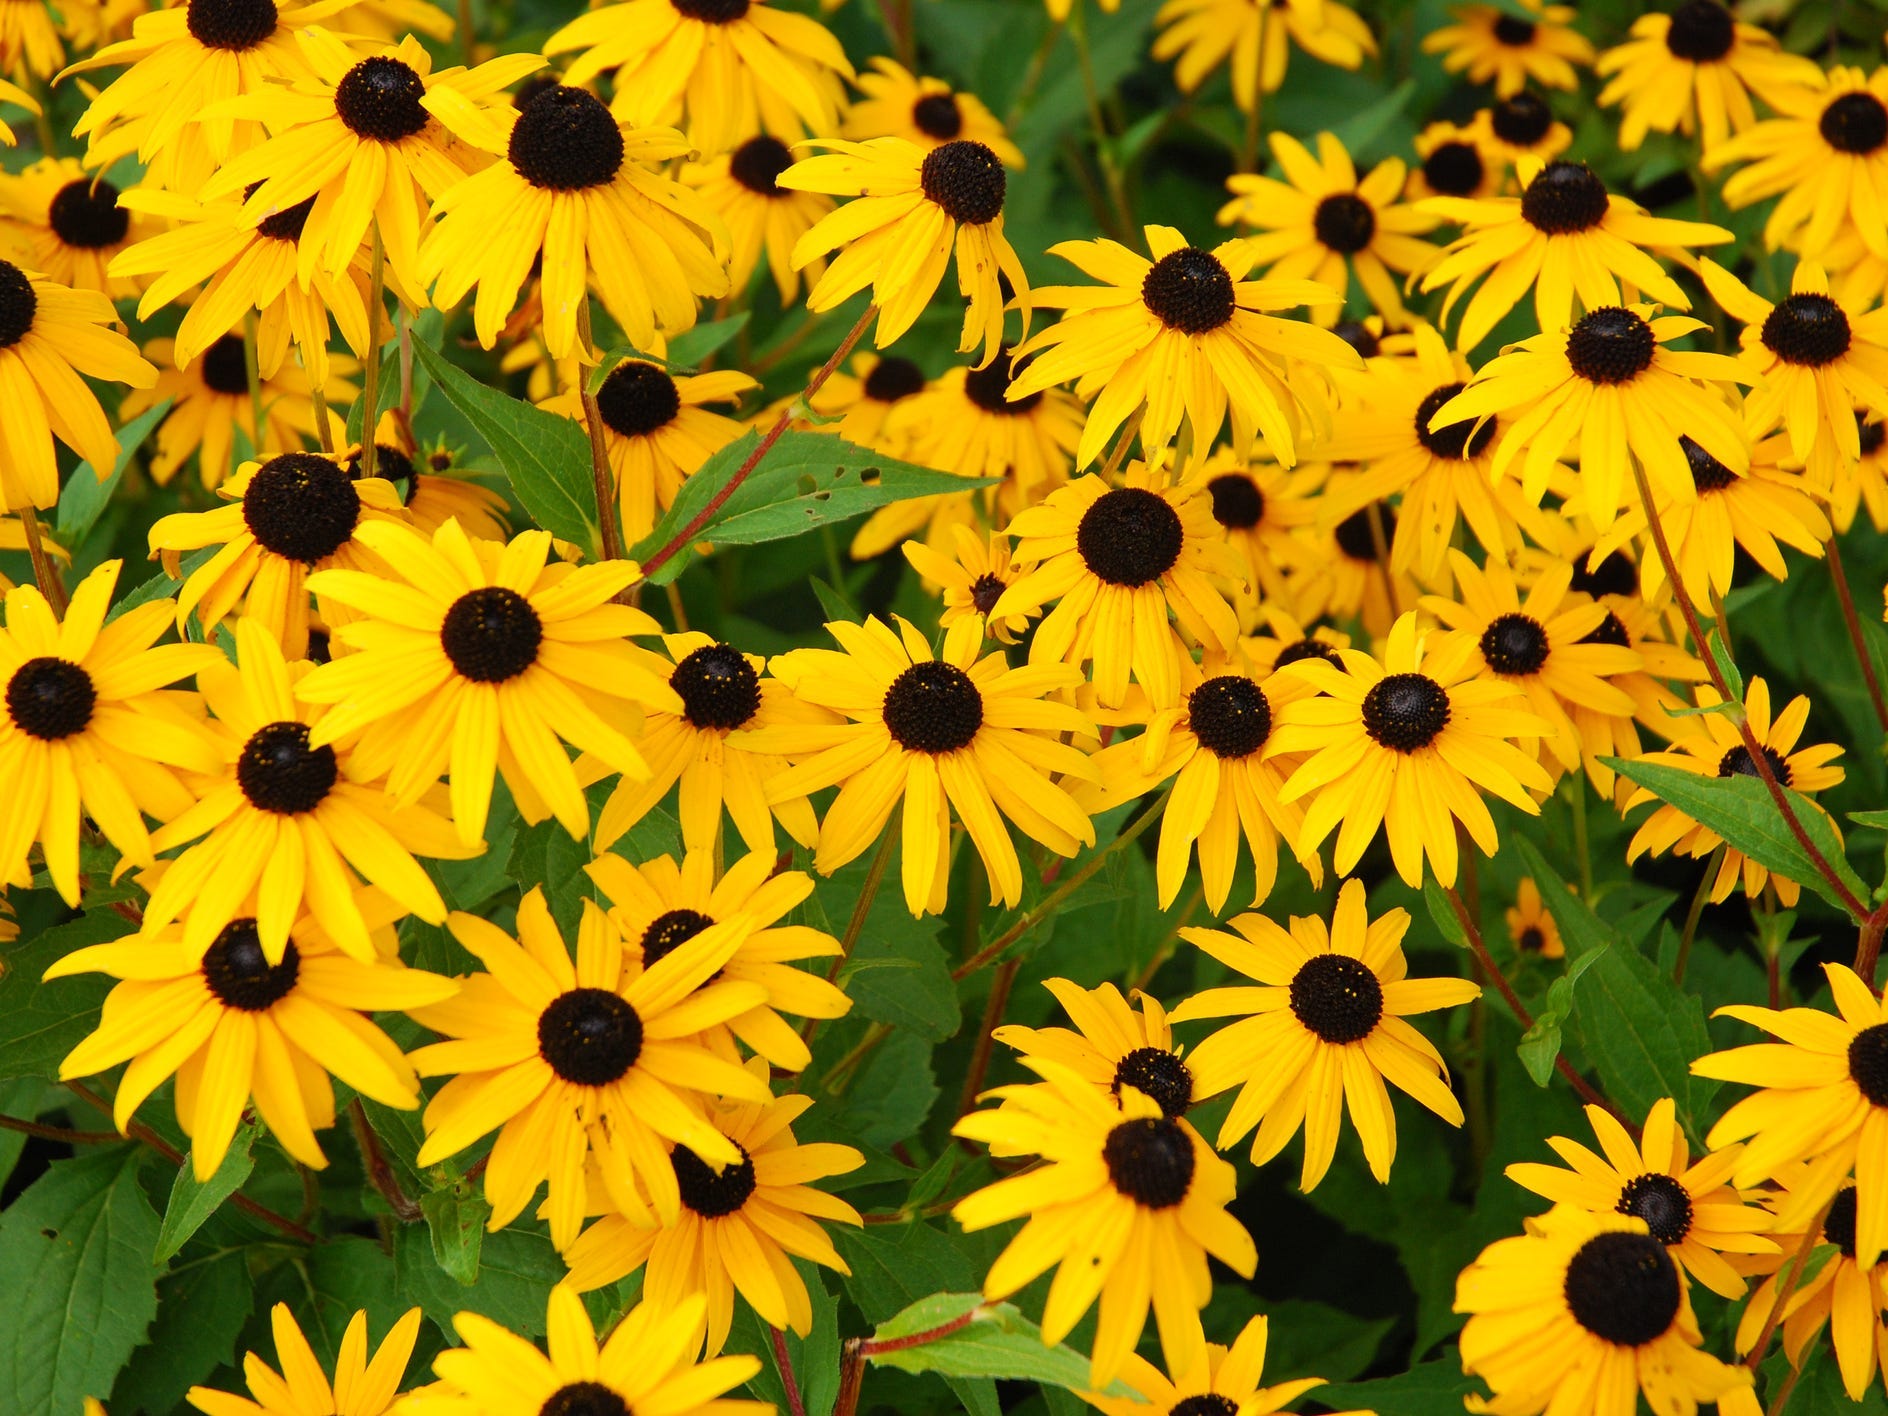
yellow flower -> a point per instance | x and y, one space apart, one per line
1112 1046
360 1388
1521 125
1497 46
863 399
67 224
971 582
1455 162
762 217
1218 1379
925 111
1531 926
1253 38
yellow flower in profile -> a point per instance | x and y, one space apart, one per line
963 733
721 70
1489 45
762 218
1324 1030
1695 71
1613 388
1323 223
210 400
238 1029
1185 334
740 1227
1112 1046
1219 1379
971 583
1253 38
659 906
475 658
49 335
925 111
579 199
281 520
1565 238
1824 156
1129 1202
360 1388
281 818
648 1364
1531 926
360 135
596 1057
1543 645
1212 746
912 208
657 432
1117 561
1813 362
67 224
1715 748
1687 1207
1406 744
88 725
1583 1312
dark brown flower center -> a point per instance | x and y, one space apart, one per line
1661 1202
391 464
988 387
1337 997
893 378
985 591
1455 442
279 771
933 707
584 1399
1359 336
1230 715
937 115
965 180
1130 536
1150 1160
1623 1288
287 224
225 367
1404 712
1614 575
1838 1227
669 931
50 698
1344 222
1307 648
1868 1058
1514 31
712 12
239 973
230 24
491 634
1523 120
565 140
1515 644
1739 763
589 1036
1454 169
1189 290
1563 198
379 99
1206 1403
638 398
1855 123
1707 473
86 214
757 164
301 506
1611 345
712 1193
1532 940
1870 434
1807 329
1702 32
1238 502
1159 1075
1357 538
718 687
1611 630
18 304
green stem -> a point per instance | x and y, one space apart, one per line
602 481
1104 143
51 584
1698 899
1580 837
376 298
1249 147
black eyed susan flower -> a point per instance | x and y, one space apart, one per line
238 1029
740 1227
1443 474
576 198
1212 746
360 135
1824 156
1323 1031
971 583
1822 1099
1542 645
1813 363
721 691
1841 1294
1184 334
89 725
1495 46
721 70
1715 748
1285 640
49 335
596 1057
436 496
283 819
210 400
863 399
1111 1046
762 217
1453 161
1220 1379
648 1363
1260 509
1531 925
296 513
913 207
959 734
476 658
929 112
67 224
1406 745
659 906
1129 1202
1584 1312
657 431
1117 561
1688 1207
1612 388
243 268
1322 222
182 60
1695 71
1254 39
1566 238
1865 483
361 1387
1522 125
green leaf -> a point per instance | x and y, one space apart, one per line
193 1201
998 1343
1877 819
1720 653
456 1219
914 990
75 1264
201 1310
806 480
158 585
547 855
1443 913
814 1358
344 1275
892 1095
387 391
1541 1043
1359 131
833 604
893 1266
1741 810
517 1270
40 1022
546 456
1427 1389
1639 1030
84 496
692 346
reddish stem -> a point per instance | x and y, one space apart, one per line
1862 656
795 1406
380 1170
873 1346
